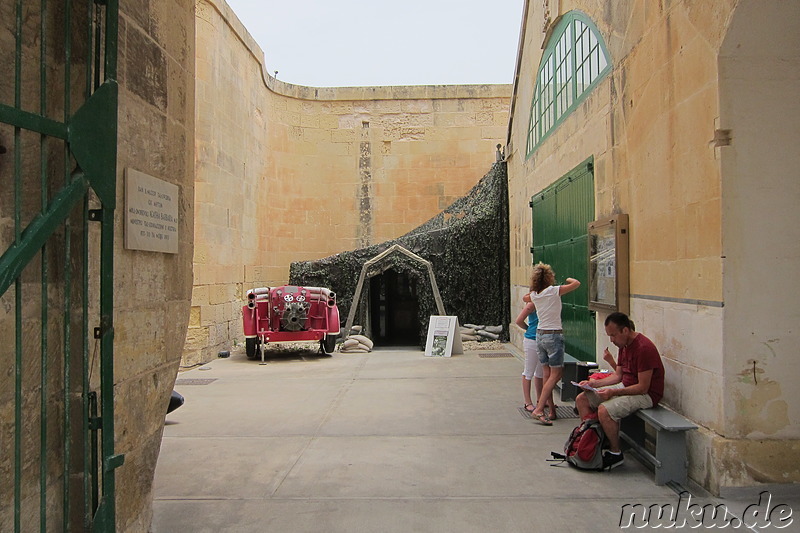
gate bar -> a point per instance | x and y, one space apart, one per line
44 285
67 484
17 281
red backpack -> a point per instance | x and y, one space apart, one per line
584 447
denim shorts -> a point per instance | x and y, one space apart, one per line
551 348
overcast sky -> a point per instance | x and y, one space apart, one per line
340 43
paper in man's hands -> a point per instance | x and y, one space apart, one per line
584 387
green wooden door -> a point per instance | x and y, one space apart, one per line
58 142
561 214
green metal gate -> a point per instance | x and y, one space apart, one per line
58 137
561 214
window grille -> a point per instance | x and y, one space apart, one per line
572 65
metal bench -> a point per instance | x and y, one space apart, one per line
669 445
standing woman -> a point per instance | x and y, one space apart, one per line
549 336
533 367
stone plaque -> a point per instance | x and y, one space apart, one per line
151 213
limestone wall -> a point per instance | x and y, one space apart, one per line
654 128
152 290
759 64
156 123
289 173
649 163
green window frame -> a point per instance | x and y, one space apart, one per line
574 62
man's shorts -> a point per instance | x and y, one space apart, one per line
551 348
619 407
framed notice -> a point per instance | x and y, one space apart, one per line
608 264
444 337
151 213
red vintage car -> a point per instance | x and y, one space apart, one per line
289 313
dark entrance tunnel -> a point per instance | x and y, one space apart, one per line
463 251
393 309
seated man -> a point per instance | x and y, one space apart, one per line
637 383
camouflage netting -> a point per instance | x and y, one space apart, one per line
467 245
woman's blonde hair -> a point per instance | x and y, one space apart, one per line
542 277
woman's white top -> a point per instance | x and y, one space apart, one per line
548 307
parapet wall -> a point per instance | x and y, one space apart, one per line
289 173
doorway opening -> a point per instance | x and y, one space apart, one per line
394 309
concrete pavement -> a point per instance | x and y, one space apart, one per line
389 441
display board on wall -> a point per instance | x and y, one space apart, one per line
151 213
608 264
444 337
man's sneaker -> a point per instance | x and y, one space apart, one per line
612 460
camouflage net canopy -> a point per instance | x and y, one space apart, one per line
467 246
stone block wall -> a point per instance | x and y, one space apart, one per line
153 290
648 125
689 149
289 173
756 140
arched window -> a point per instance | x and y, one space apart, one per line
574 61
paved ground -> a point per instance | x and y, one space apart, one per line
389 441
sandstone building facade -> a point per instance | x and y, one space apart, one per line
686 123
683 116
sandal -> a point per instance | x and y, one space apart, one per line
543 419
533 407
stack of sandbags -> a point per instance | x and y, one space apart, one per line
355 342
469 333
473 332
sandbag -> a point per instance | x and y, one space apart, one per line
494 329
350 343
362 339
354 350
468 331
473 326
486 334
469 337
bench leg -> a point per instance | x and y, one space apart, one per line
671 456
568 390
633 427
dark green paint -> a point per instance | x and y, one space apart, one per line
561 214
33 122
93 142
33 238
89 138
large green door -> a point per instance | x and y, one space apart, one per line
58 139
561 214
